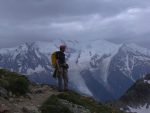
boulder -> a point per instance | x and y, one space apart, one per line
3 92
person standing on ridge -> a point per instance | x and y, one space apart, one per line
61 69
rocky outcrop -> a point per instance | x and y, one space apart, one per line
138 94
4 108
3 92
74 107
137 98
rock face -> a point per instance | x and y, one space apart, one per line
138 94
97 68
137 98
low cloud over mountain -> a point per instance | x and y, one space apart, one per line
118 21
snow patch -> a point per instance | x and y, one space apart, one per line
37 54
147 81
140 49
141 109
38 69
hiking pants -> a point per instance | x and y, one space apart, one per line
62 75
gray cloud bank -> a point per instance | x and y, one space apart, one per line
119 21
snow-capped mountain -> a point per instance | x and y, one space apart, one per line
129 64
98 68
137 98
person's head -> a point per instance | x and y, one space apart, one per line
62 48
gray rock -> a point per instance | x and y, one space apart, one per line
10 94
4 108
31 109
29 96
11 100
74 107
3 92
38 91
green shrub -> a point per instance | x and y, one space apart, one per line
4 83
52 105
87 102
3 71
14 82
19 86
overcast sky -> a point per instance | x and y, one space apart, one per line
118 21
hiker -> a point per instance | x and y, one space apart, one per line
61 69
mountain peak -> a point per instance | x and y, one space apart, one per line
132 47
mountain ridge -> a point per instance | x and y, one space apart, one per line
102 61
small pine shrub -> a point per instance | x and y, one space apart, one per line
14 82
87 102
4 83
52 105
19 86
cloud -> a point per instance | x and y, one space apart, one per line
118 21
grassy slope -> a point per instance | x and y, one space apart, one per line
19 85
52 105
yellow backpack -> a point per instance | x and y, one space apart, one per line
53 59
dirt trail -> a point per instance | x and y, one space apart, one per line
31 102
